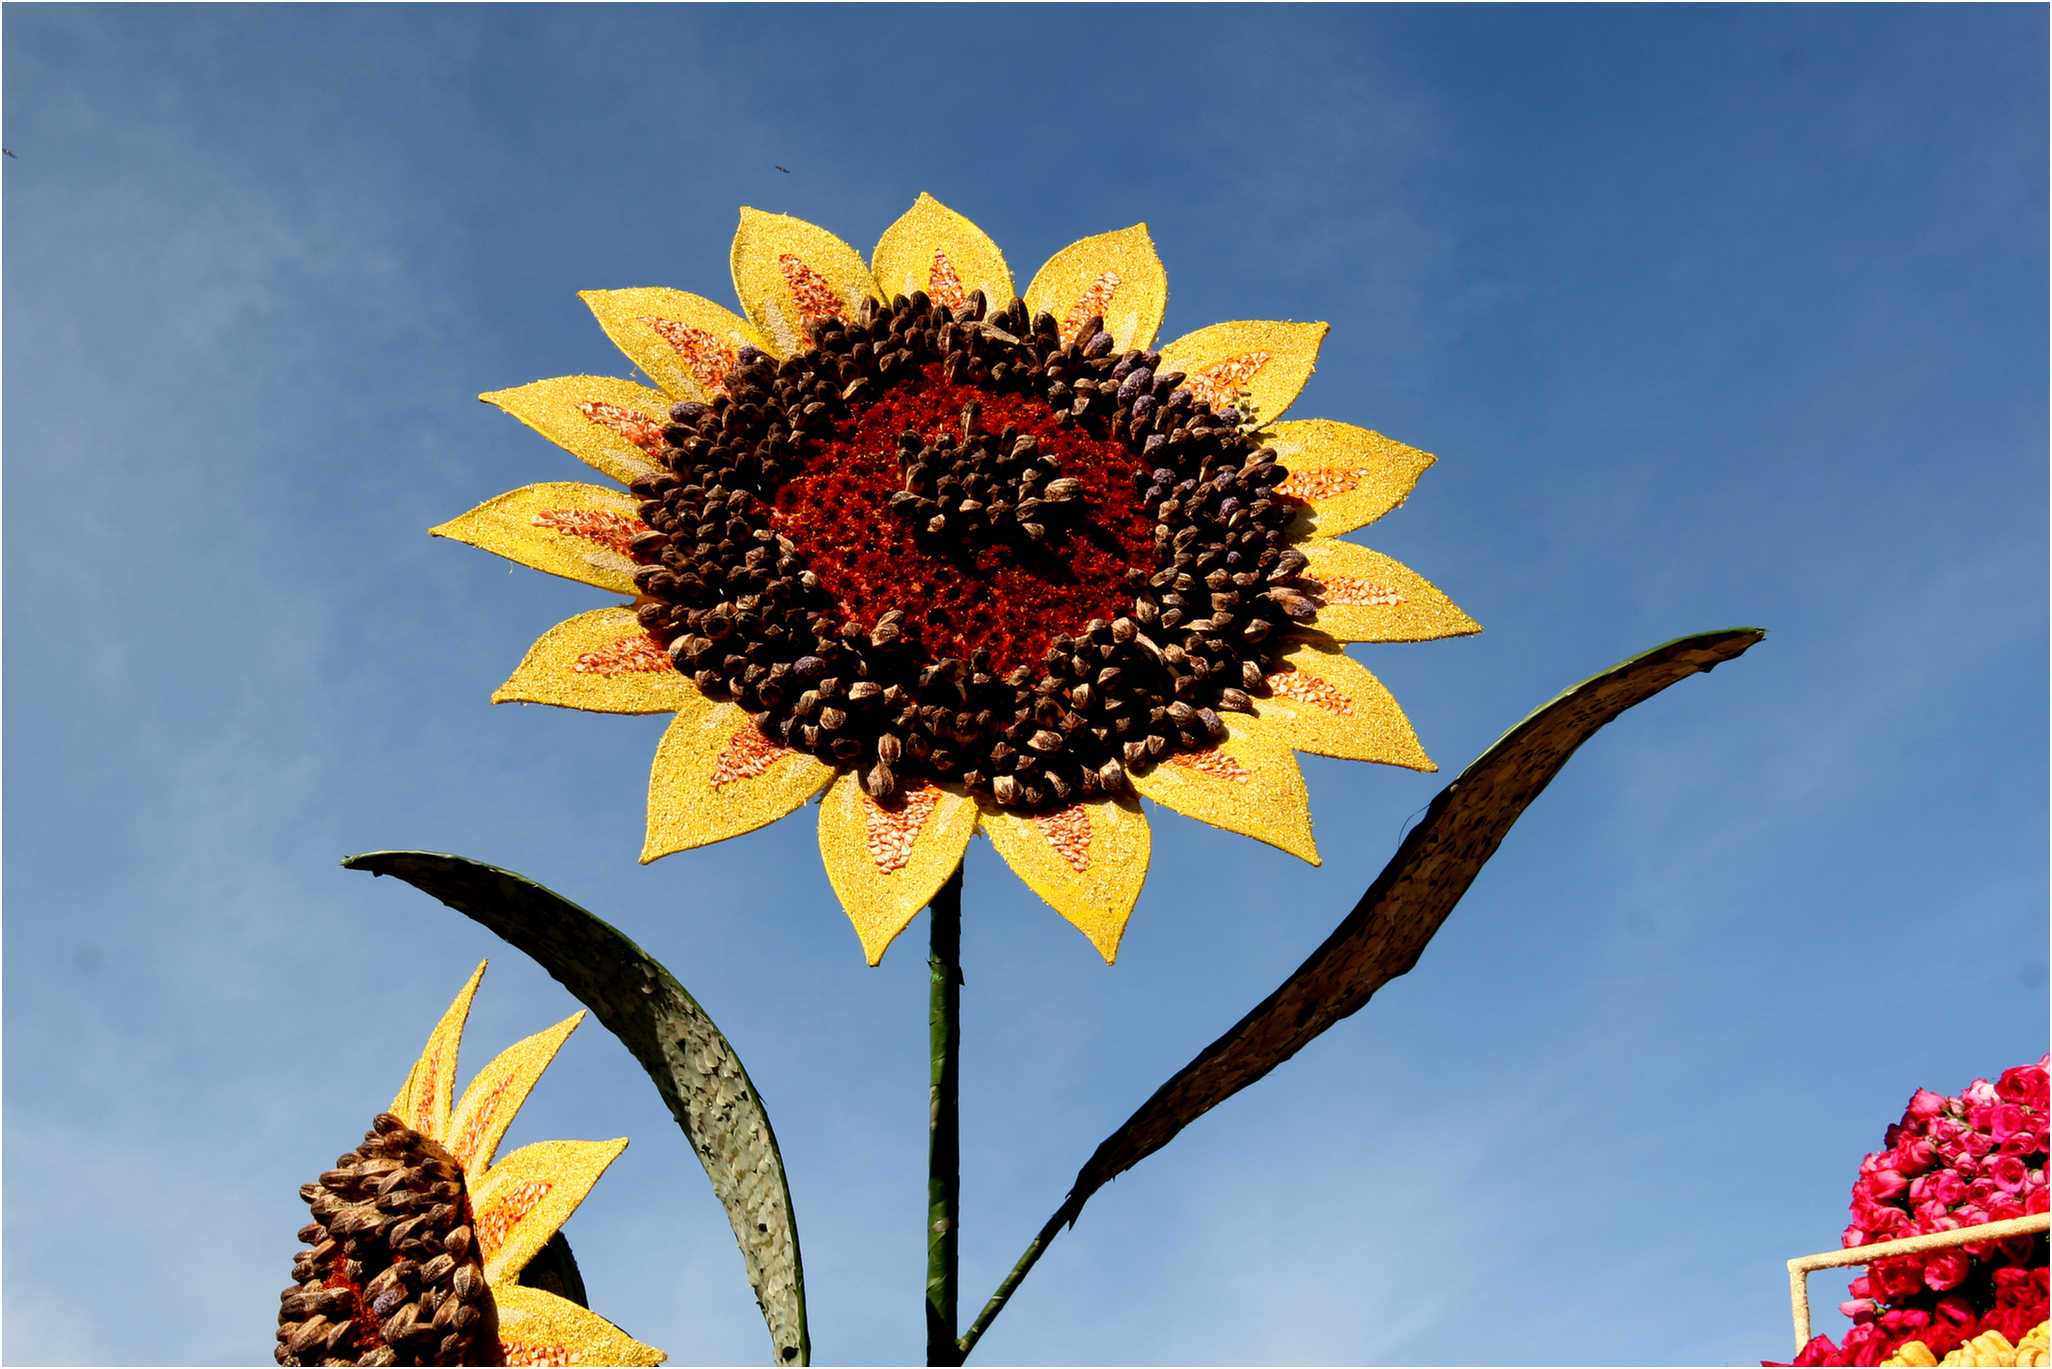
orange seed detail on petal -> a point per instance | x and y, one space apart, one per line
1323 484
628 656
815 298
1292 683
465 1149
892 832
1068 831
638 428
501 1217
613 531
1214 763
1353 591
1091 303
943 285
747 754
706 356
1217 383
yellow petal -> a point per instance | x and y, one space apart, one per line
1346 476
1370 597
682 342
1253 366
541 1328
602 662
525 1198
423 1103
1113 275
932 248
1323 701
887 863
790 273
716 776
580 532
1249 783
613 426
1087 860
487 1106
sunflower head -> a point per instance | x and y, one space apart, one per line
965 559
393 1274
419 1236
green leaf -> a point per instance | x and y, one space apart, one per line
693 1066
1388 929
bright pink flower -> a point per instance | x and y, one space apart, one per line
2008 1119
1914 1156
1923 1105
1944 1270
1884 1184
2026 1084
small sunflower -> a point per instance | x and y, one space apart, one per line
419 1236
964 560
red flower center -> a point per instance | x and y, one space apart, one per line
1009 599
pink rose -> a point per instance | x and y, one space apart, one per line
1858 1309
1923 1105
1979 1142
1930 1212
2029 1141
1915 1156
2008 1119
1946 1269
1861 1287
1900 1319
2026 1084
1893 1279
1954 1309
1884 1184
2035 1200
1980 1091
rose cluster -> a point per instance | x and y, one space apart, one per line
1950 1163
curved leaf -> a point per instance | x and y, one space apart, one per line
693 1066
1387 931
1389 928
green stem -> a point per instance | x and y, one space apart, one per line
1004 1290
944 1149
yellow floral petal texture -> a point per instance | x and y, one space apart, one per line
1370 597
1324 701
1114 275
1346 476
601 661
716 776
580 532
541 1328
613 426
525 1198
789 273
1249 783
932 248
682 342
486 1108
886 863
423 1103
1087 860
1256 367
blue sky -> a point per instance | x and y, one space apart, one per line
1714 316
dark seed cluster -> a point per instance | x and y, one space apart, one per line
728 589
990 486
393 1274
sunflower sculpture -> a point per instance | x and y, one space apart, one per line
419 1236
961 559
